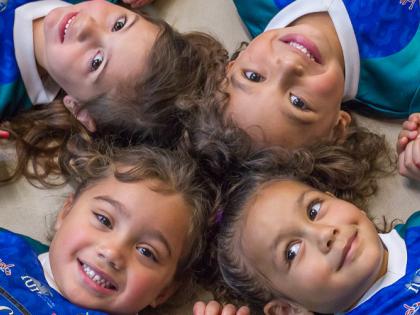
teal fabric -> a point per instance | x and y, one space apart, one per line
412 221
256 14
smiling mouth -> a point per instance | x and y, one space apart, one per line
346 250
65 24
98 277
304 46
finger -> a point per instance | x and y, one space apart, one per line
408 156
401 144
213 308
409 125
199 308
229 309
415 117
416 153
244 310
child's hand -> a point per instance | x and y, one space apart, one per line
137 3
409 160
410 131
215 308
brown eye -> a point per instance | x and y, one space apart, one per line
253 76
119 24
313 210
297 102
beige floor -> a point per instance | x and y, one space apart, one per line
27 210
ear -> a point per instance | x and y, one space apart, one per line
340 129
65 210
282 306
230 65
165 294
82 115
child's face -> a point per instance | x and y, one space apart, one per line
92 47
320 252
283 94
117 246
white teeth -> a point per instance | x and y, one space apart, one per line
96 278
68 24
302 49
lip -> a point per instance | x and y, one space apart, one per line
63 23
347 251
92 284
305 42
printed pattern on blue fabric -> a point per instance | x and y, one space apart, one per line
23 287
405 292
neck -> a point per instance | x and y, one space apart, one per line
39 40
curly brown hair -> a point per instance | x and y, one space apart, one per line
349 170
176 173
181 68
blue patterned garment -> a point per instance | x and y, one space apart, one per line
23 287
388 39
403 296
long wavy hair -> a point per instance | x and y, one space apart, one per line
349 170
181 69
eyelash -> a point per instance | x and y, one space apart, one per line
311 207
114 28
98 58
103 220
297 102
290 255
259 78
149 254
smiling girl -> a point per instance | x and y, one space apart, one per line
125 241
288 245
287 86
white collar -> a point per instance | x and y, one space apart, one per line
342 23
397 265
39 92
46 266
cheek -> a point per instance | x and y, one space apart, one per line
330 86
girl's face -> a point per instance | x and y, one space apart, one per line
91 47
286 87
320 252
117 246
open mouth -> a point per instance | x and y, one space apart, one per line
65 24
304 46
98 277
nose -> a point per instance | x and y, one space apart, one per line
288 68
87 28
324 236
112 255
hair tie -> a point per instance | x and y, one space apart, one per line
219 215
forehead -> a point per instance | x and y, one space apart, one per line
275 199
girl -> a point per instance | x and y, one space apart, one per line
180 69
109 61
140 215
288 245
286 87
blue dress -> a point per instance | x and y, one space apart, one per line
388 40
23 287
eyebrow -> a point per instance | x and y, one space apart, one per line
115 204
104 68
275 243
